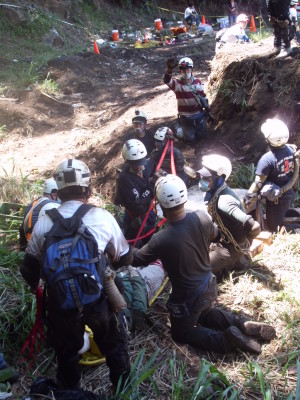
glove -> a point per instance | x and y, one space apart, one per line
252 227
170 135
170 65
248 198
158 174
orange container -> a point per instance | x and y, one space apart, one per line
158 24
115 35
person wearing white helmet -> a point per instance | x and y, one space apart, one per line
135 189
140 131
66 328
183 248
227 211
36 209
274 170
161 136
235 34
192 104
279 18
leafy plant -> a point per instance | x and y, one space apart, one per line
242 176
49 86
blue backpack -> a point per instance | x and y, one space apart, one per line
72 266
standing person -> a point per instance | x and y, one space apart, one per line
135 189
66 326
183 248
36 209
279 18
294 25
232 12
192 103
190 15
275 174
161 136
227 211
140 131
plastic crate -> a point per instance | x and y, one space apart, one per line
11 211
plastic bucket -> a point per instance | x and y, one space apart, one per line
115 35
158 24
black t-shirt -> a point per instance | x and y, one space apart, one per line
134 192
147 140
183 248
277 165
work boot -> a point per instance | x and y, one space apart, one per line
238 340
284 53
258 329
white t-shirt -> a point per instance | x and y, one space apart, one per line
100 223
231 34
189 11
293 13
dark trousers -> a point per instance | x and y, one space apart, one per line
223 259
281 32
205 325
275 213
66 332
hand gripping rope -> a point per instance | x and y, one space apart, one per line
151 205
37 331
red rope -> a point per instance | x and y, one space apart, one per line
37 330
138 237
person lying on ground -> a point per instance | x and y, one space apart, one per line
227 211
183 248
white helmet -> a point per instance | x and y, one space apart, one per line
185 62
276 132
242 18
133 150
72 173
50 186
170 191
161 133
218 164
139 117
294 2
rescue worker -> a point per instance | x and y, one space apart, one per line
36 209
234 34
192 103
227 211
135 189
279 18
66 328
183 248
275 174
161 137
140 131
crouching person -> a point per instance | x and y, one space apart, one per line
67 250
183 248
227 211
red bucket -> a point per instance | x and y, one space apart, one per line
158 24
115 35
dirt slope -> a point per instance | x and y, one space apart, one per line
99 94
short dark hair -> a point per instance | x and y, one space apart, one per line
73 193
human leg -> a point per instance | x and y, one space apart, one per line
277 33
66 335
230 17
220 260
188 129
111 337
275 213
201 126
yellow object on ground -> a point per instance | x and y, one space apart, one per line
93 356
